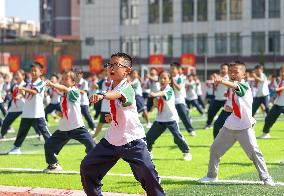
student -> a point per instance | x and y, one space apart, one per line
237 127
167 117
83 87
276 109
262 94
220 96
71 125
17 103
191 94
198 90
33 109
154 86
54 98
136 85
210 89
180 94
124 138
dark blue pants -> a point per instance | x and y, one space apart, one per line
257 101
213 109
272 116
183 114
86 113
3 110
25 126
196 104
210 98
150 103
50 108
97 108
8 120
104 156
218 124
159 127
201 102
55 143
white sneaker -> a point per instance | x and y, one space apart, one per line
265 136
268 182
206 179
92 131
192 133
149 125
53 168
11 130
187 156
15 150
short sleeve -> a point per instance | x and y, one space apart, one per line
129 95
179 80
85 86
73 95
135 84
242 89
39 87
169 93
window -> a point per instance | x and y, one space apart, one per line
220 43
89 41
274 42
202 44
274 8
134 11
258 9
130 46
235 9
167 11
258 42
155 45
161 45
187 43
154 11
187 10
167 45
202 10
124 12
235 43
90 1
129 12
221 9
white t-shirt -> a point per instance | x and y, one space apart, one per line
17 104
154 85
75 119
191 92
33 107
136 85
128 127
209 89
243 103
262 87
179 94
280 99
168 112
83 85
198 88
229 98
221 89
105 103
54 96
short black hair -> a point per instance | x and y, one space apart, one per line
175 64
237 63
37 64
258 66
125 56
224 64
55 75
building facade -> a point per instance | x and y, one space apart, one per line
60 18
220 30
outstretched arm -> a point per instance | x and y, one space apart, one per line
158 94
59 87
110 95
219 80
28 90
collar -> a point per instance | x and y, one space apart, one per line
36 82
122 82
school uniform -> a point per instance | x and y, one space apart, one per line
71 126
136 85
33 113
218 102
54 102
262 95
210 92
276 110
83 85
124 139
192 97
238 127
180 103
104 104
154 86
199 94
167 118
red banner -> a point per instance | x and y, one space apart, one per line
43 61
14 63
66 63
156 59
188 59
95 63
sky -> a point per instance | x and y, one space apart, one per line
25 9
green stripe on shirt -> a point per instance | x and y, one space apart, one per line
241 91
73 95
169 94
129 94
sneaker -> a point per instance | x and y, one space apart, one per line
187 156
206 179
149 125
265 136
192 133
11 130
53 168
207 127
268 182
92 131
15 150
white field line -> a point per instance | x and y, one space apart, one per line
14 138
131 175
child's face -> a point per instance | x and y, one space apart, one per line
67 80
190 78
53 79
35 72
174 71
18 76
80 75
134 74
237 73
164 79
224 70
153 72
117 69
258 71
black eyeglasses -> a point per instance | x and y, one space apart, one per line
115 65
